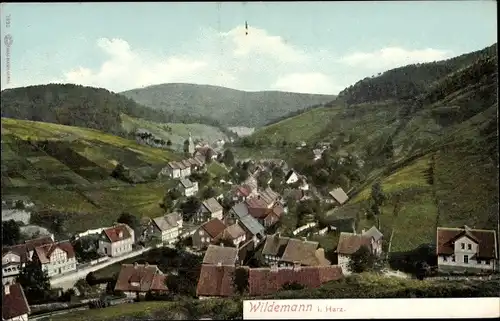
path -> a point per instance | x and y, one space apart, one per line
68 281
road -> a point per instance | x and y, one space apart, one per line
68 281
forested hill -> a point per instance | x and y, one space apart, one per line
81 106
229 106
409 81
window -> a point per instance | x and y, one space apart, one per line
463 246
478 261
200 232
487 262
445 259
453 258
466 259
469 246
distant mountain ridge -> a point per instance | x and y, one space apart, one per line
230 107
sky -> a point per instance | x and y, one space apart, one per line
308 47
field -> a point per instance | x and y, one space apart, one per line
176 132
67 169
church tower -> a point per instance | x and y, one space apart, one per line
191 144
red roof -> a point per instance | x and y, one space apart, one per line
349 243
216 280
214 227
148 278
264 281
486 240
45 251
243 190
117 233
14 304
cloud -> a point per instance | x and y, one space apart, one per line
259 60
312 82
392 57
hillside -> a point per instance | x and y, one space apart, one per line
89 107
229 106
67 170
435 153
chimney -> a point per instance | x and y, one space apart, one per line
296 266
303 239
219 263
274 267
7 289
146 264
135 265
120 234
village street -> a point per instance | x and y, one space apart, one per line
68 281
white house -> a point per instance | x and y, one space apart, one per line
465 249
233 234
209 209
176 169
187 187
15 257
167 227
15 307
56 258
116 240
376 239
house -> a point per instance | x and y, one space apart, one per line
205 152
221 255
233 234
377 238
273 248
266 281
175 169
56 258
269 196
187 188
207 232
338 196
190 147
317 154
196 163
240 193
291 177
15 257
348 244
215 281
266 216
466 249
167 227
15 307
135 280
209 209
286 251
239 213
251 184
116 240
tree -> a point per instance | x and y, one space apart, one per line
35 282
11 233
169 143
186 146
263 179
292 286
208 156
362 260
85 248
83 287
378 197
189 207
130 220
422 270
240 280
228 157
208 192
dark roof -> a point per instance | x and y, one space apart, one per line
252 225
303 252
243 190
216 280
214 227
486 240
186 183
14 304
240 210
148 277
265 281
290 172
349 243
224 255
117 233
275 245
23 249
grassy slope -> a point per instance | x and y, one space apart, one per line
231 107
179 131
464 189
30 171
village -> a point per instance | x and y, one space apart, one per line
238 232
